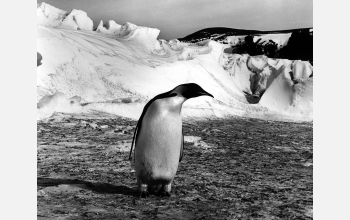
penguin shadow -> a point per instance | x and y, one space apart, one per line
97 187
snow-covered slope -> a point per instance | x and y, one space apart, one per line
118 68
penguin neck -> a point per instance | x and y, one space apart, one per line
175 103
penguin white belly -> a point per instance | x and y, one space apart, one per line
158 145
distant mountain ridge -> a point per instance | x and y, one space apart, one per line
294 44
207 32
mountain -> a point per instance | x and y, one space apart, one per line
119 68
220 33
294 44
215 33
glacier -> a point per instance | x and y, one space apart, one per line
118 68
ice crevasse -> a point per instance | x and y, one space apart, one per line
118 68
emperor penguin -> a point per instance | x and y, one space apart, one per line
159 141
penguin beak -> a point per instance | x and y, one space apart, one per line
205 93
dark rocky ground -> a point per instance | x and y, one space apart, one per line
242 168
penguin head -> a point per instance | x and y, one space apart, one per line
190 90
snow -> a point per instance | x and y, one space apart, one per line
51 16
233 40
280 39
289 97
109 28
118 68
78 20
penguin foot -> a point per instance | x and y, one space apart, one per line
144 194
162 193
143 189
165 190
153 189
152 192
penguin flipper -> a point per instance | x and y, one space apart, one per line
182 148
134 140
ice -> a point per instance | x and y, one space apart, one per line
78 20
109 28
83 70
51 16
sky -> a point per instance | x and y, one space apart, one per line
179 18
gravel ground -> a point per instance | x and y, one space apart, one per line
236 168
